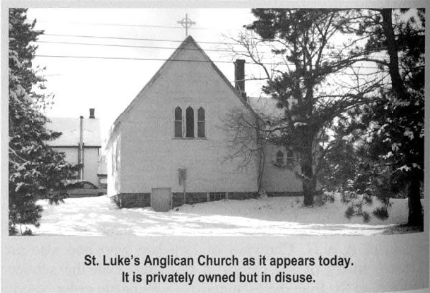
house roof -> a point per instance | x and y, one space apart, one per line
70 129
188 40
266 107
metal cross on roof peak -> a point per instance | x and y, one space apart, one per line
186 23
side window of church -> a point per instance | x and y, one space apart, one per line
178 122
290 157
189 116
280 158
201 122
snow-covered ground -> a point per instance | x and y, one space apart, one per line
98 216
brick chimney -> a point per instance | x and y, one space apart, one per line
92 110
239 77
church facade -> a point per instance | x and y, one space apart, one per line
170 146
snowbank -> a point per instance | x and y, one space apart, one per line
98 216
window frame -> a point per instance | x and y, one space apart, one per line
290 157
201 120
193 122
176 121
280 158
189 125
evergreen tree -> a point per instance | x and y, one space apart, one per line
400 111
387 135
35 170
307 38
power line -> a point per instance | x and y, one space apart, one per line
125 25
129 58
133 46
133 39
154 40
157 47
164 60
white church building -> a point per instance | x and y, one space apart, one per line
170 146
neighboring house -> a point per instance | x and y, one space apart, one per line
170 145
80 142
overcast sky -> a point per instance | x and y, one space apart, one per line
109 85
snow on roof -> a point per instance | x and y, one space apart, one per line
70 127
265 107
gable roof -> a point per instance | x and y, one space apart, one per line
70 129
175 54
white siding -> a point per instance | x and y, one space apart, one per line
151 156
91 162
113 162
279 179
91 159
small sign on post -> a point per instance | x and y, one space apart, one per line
182 173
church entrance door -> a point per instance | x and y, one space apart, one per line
161 199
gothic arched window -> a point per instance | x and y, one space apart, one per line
201 122
280 158
178 122
189 122
290 157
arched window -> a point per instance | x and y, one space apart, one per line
201 122
290 157
280 158
178 122
189 118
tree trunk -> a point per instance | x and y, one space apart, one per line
307 180
393 50
415 217
414 198
308 193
